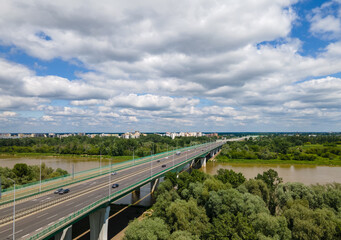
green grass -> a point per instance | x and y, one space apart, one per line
319 161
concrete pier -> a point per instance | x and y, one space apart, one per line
99 224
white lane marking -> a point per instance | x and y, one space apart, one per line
52 216
51 223
4 231
78 205
42 215
25 235
18 231
39 229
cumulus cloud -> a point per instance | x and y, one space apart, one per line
192 63
326 20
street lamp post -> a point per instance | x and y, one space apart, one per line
173 157
100 162
109 181
134 155
151 164
40 178
13 209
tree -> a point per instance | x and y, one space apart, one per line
21 170
229 226
183 235
294 191
230 176
147 229
308 224
272 180
213 184
163 202
270 226
187 216
259 188
234 202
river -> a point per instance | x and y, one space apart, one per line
307 174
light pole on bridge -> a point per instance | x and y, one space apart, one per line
151 164
40 178
13 208
173 157
109 181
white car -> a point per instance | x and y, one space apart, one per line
113 173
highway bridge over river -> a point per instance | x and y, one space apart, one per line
41 214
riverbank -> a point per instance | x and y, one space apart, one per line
66 156
318 162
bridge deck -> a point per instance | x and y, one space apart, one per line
42 215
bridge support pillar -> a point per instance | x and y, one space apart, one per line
99 221
135 195
203 162
153 185
66 234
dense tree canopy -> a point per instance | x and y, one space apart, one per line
303 147
111 146
23 173
226 206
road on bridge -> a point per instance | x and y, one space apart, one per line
51 208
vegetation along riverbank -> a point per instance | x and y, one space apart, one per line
282 149
227 206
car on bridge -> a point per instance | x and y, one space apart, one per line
64 191
113 173
178 153
115 185
164 165
158 161
58 190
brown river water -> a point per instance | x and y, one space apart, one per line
307 174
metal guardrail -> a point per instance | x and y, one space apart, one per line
64 222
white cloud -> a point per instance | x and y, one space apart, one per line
47 118
190 63
8 114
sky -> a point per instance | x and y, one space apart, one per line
153 66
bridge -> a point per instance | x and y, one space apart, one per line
41 214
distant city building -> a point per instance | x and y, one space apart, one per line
128 135
5 135
212 135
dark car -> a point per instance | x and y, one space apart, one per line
115 185
58 190
164 165
64 191
158 160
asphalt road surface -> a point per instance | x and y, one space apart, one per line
56 207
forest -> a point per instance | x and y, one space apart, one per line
228 206
111 146
306 148
22 173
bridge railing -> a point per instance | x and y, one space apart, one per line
31 189
71 218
